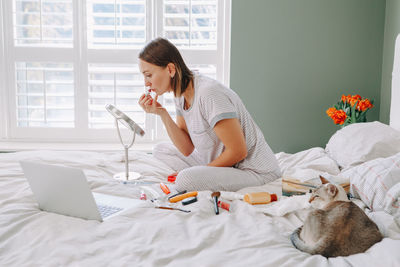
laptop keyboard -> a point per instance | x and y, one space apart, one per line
106 211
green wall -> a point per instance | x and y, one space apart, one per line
293 59
392 29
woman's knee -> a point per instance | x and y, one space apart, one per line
162 149
187 178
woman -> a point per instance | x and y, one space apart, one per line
216 143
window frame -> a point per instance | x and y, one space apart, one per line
80 56
3 95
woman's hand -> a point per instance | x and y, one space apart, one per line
150 105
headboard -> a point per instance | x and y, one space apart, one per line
395 103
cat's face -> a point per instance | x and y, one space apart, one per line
326 193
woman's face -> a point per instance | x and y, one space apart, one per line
155 77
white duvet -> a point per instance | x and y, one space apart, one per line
145 236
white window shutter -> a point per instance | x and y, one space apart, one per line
66 59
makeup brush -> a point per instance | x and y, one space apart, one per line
215 196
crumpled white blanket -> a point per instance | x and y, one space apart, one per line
308 164
286 205
145 236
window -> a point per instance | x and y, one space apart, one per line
42 22
64 60
45 94
116 23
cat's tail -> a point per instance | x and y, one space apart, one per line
318 248
299 243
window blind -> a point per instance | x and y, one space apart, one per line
67 59
45 94
44 22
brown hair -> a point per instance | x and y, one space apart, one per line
160 52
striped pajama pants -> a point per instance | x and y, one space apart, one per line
195 175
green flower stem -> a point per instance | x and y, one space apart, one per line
353 113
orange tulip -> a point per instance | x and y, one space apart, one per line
339 117
353 101
331 112
365 104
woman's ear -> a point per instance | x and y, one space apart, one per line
171 69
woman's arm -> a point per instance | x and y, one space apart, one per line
231 135
176 131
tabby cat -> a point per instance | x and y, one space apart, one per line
336 226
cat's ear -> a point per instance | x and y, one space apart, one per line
332 190
323 180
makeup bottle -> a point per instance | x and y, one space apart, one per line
260 198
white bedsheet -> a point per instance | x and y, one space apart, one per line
146 236
307 164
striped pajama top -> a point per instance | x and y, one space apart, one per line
214 102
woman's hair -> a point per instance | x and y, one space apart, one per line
160 52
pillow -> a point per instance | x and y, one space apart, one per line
377 183
361 142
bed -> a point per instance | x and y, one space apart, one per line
245 235
145 236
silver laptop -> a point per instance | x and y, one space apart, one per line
65 190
